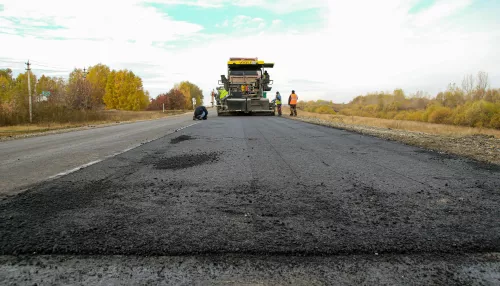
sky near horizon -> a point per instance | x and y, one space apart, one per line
332 50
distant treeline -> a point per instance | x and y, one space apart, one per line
179 97
473 104
55 99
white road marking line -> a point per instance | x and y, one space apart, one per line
186 126
75 169
112 155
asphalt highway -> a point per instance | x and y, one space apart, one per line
257 200
24 162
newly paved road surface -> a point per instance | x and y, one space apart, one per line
259 200
27 161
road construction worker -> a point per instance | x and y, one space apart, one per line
278 102
200 113
222 94
265 80
292 102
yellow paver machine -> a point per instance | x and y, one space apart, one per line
244 89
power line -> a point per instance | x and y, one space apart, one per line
49 65
11 63
11 60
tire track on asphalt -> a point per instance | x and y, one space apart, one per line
279 154
365 160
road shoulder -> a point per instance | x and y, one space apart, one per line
239 269
483 148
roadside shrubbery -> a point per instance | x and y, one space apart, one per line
473 105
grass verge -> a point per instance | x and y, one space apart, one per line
479 144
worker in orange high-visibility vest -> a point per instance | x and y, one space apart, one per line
292 102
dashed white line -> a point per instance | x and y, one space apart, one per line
75 169
186 126
109 156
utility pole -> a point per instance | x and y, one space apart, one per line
36 95
163 107
29 88
85 89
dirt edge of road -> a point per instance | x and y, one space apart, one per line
483 148
251 270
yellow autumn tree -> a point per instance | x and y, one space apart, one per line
186 91
124 91
98 78
190 91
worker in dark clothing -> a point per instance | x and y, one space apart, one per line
265 80
200 113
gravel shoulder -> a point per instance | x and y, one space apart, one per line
474 269
484 148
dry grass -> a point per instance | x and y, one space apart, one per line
121 115
415 126
105 117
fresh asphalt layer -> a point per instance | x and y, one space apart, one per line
292 195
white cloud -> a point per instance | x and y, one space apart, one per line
198 3
241 20
278 6
93 19
223 25
364 45
441 10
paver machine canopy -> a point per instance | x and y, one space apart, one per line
244 88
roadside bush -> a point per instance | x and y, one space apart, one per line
324 110
415 115
495 121
440 115
474 106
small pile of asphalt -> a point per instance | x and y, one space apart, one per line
180 139
186 161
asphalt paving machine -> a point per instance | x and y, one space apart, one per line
244 89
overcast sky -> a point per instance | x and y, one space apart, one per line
332 50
